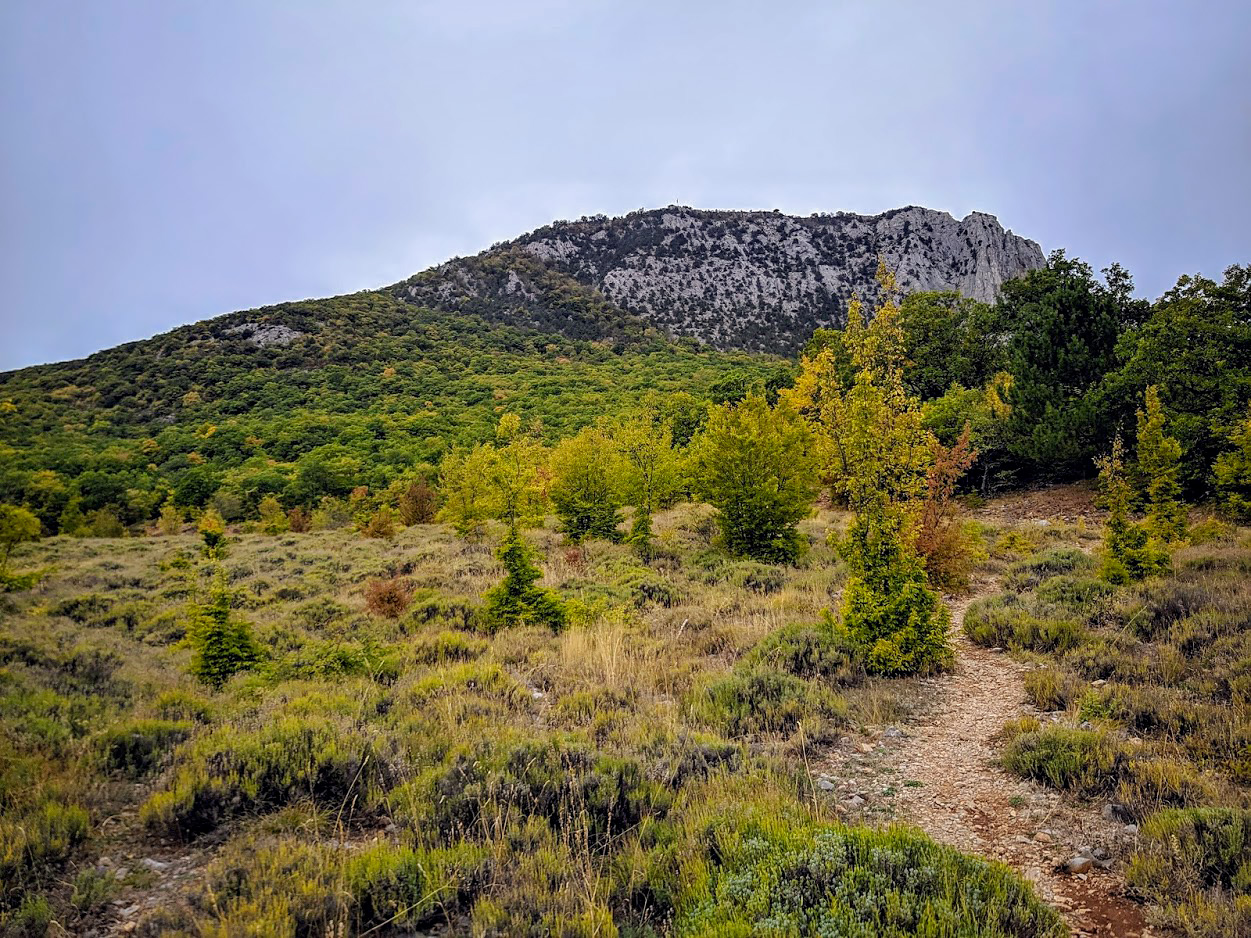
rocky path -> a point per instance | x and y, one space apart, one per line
939 774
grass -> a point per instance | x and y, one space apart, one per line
1159 673
639 773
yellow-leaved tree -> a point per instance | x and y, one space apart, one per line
876 454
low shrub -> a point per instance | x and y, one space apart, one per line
231 771
810 650
389 599
1028 573
136 748
1052 689
1196 864
295 888
40 839
1086 762
764 877
759 700
1008 621
448 646
559 781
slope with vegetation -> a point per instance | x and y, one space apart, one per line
452 641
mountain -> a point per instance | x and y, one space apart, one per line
761 281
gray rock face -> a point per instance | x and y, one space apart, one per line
758 280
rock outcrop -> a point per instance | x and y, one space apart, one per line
756 280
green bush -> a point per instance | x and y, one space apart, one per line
1056 561
1196 865
42 838
838 882
136 748
293 888
558 780
448 646
810 650
1008 621
759 700
231 771
1052 689
1086 762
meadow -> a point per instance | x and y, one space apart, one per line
640 772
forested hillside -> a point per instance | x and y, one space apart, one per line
320 399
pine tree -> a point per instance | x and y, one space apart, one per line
1129 552
517 600
1233 472
223 645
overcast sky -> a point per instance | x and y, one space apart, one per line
163 162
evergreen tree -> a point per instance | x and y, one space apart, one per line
878 453
1159 459
517 600
223 644
1129 552
1064 328
753 464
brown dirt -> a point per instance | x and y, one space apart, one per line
941 775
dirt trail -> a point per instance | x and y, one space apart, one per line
940 775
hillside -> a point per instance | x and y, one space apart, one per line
755 280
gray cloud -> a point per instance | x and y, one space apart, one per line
163 163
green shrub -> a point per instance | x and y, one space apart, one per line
1051 689
42 838
448 646
837 882
810 650
92 890
31 919
1008 621
1078 595
181 705
136 748
1056 561
559 780
1211 531
231 771
1086 762
1196 865
293 888
760 700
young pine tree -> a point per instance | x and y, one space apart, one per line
1159 464
878 454
1129 551
223 645
517 600
1233 472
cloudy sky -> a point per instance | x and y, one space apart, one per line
163 162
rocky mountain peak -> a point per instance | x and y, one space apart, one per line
759 280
